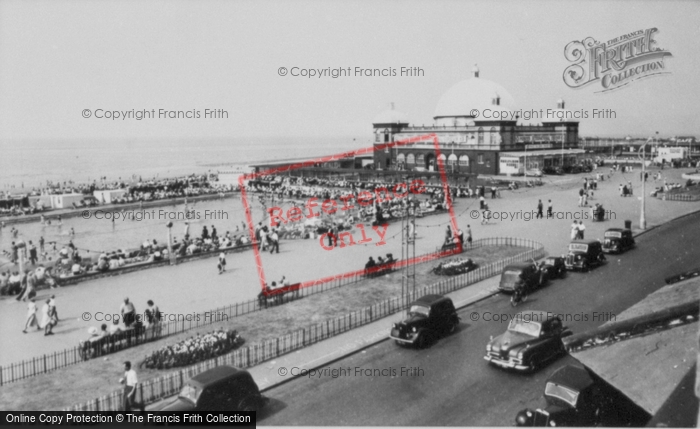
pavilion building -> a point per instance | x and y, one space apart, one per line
472 141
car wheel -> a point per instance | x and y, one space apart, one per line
584 267
421 341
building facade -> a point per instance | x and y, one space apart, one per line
476 123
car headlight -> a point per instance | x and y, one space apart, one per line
552 423
520 355
414 329
488 347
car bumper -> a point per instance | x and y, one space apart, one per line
409 340
506 363
611 250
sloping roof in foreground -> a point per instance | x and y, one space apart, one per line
648 368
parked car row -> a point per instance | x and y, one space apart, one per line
532 340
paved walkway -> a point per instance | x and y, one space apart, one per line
195 286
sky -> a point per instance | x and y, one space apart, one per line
60 57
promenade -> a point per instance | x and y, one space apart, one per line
196 286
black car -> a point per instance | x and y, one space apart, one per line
584 254
428 318
617 240
554 267
223 388
526 274
577 397
533 338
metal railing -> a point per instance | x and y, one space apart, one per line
74 355
170 384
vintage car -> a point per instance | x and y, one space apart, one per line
577 397
533 339
553 267
584 254
526 274
617 240
223 388
428 318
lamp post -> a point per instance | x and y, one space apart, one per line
171 255
642 215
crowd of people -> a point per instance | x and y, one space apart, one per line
135 190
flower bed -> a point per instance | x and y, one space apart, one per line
455 267
193 350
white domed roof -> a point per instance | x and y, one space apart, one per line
390 116
474 93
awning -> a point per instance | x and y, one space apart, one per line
544 152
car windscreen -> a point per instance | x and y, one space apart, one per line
190 393
524 327
419 309
567 395
510 276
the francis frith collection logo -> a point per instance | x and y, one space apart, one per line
615 63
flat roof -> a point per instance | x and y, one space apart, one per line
648 368
544 152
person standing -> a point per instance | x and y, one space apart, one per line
549 209
213 232
130 380
31 316
128 312
41 244
33 259
222 262
275 239
581 230
574 230
481 202
154 315
580 197
469 235
539 209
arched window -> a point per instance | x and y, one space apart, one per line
442 157
452 159
410 159
464 160
480 139
420 159
400 158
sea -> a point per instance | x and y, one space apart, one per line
30 164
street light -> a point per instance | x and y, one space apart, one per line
642 215
171 255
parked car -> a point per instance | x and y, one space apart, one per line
534 172
617 240
533 339
223 388
554 267
584 254
429 318
526 274
577 397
